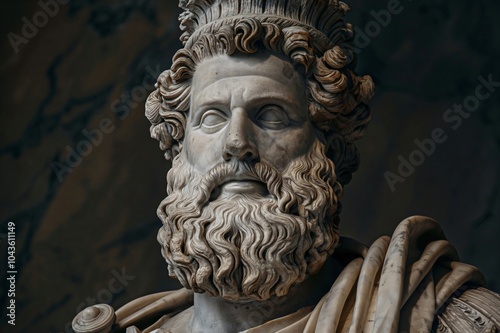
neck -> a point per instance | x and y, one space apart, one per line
215 314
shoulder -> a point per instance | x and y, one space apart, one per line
470 310
141 311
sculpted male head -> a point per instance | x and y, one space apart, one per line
259 113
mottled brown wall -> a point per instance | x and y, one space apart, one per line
88 64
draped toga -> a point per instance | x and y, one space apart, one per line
412 282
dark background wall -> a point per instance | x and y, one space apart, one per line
84 69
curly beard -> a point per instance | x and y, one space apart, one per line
249 246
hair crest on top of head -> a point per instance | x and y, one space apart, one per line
337 95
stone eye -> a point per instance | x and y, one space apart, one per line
213 119
272 116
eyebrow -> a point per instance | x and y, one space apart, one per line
269 97
275 98
266 95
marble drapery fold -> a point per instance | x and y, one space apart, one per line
412 283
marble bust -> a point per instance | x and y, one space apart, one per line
259 114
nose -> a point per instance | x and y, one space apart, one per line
239 142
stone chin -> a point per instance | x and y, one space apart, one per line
260 236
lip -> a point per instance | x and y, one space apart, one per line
241 186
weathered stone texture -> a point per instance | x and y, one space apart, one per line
83 66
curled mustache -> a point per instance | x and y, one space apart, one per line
280 189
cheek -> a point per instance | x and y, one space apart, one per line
285 147
202 151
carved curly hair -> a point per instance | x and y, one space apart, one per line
337 96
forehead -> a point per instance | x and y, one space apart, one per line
253 68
